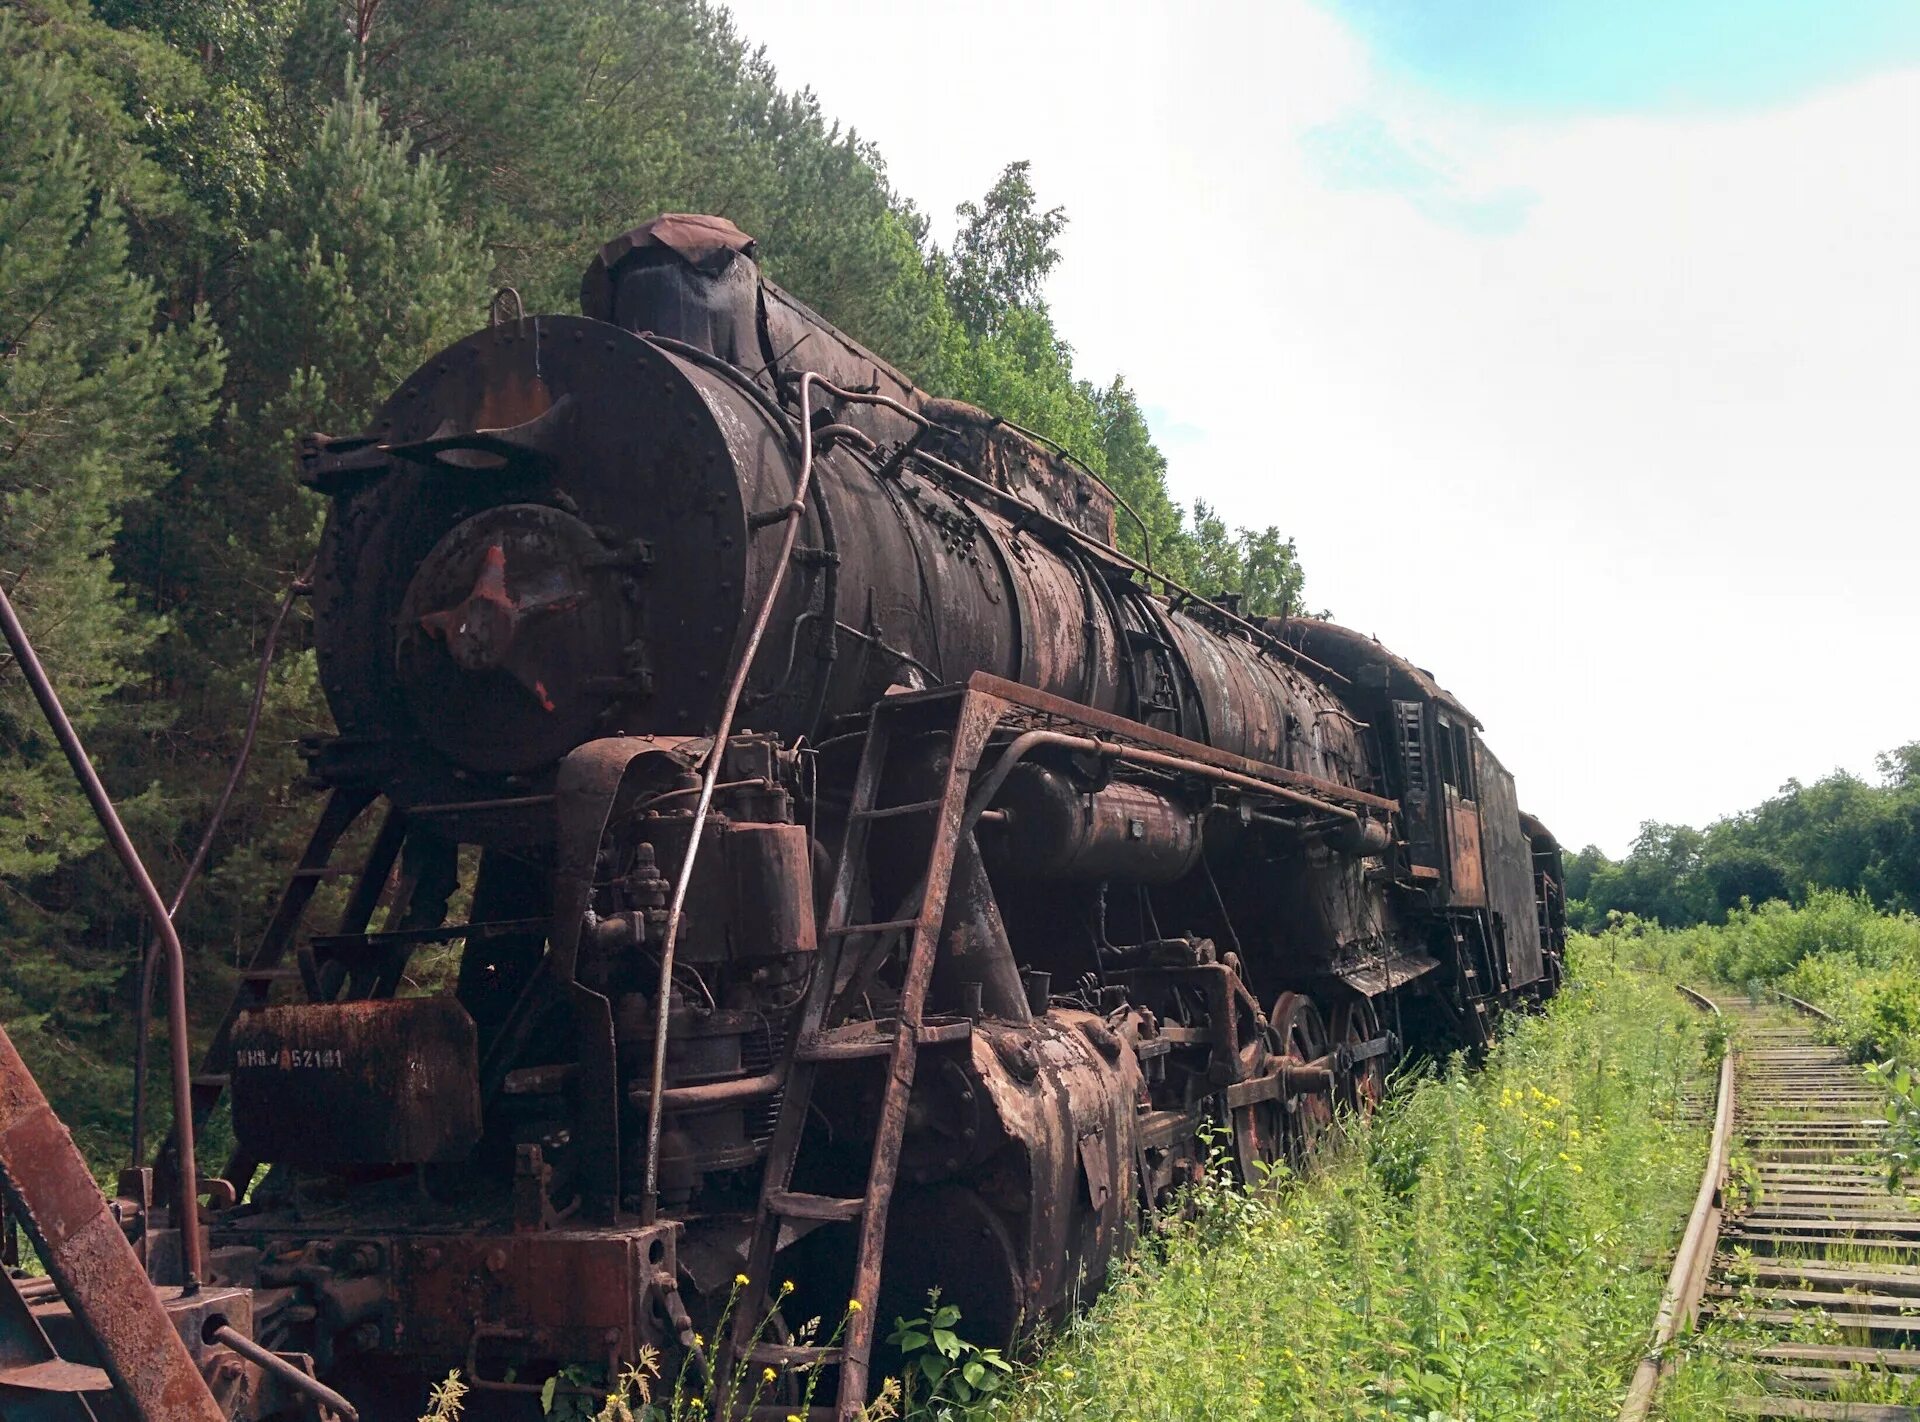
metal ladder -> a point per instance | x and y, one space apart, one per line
817 1046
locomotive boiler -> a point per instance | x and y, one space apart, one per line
782 856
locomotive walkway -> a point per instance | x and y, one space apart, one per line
1813 1274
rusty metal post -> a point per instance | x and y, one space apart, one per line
188 1208
47 1182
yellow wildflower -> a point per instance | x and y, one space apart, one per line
740 1281
769 1375
853 1305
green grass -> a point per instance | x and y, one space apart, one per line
1863 966
1835 950
1493 1245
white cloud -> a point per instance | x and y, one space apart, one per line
1633 475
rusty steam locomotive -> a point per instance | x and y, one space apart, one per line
864 876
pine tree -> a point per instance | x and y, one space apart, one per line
92 393
361 275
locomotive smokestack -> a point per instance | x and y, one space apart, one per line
685 276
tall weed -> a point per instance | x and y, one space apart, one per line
1491 1246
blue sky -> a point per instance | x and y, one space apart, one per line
1611 55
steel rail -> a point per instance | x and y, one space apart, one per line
1808 1008
1687 1281
188 1206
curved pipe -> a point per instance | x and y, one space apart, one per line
710 775
188 1208
144 1015
713 1095
1029 741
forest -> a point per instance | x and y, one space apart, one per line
1841 833
225 224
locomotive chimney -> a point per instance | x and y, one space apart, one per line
684 276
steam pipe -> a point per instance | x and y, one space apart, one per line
715 1095
188 1208
1029 741
711 774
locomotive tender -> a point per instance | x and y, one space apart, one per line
866 877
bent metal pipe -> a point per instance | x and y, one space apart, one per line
102 803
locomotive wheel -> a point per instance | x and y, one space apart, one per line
1363 1085
1302 1033
1260 1133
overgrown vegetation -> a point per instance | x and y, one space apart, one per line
1838 833
1836 951
1862 965
226 223
1492 1246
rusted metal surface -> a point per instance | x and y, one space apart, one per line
977 967
710 775
53 1195
1465 873
357 1082
1057 830
604 607
285 1372
36 1383
1507 866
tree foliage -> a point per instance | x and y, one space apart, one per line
1841 833
1005 249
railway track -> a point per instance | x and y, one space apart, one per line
1808 1273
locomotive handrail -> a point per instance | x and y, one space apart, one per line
1212 757
1259 636
1146 538
1137 755
188 1207
1688 1277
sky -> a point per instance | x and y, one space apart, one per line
1576 342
